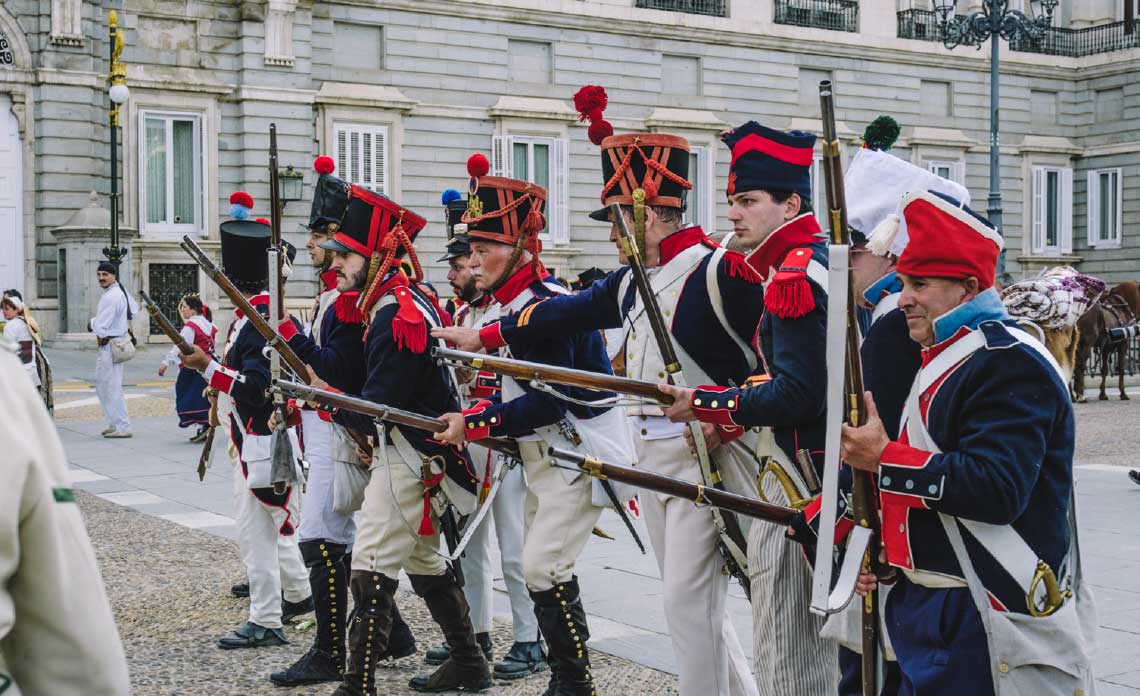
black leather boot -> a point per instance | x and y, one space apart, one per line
562 620
523 660
466 668
373 594
401 642
439 654
329 581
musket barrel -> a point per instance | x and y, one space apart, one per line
165 324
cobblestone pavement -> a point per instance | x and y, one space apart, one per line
169 588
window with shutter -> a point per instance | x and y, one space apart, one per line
1103 200
543 161
362 155
951 170
1052 211
172 166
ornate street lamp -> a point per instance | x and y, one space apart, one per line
994 20
118 93
290 185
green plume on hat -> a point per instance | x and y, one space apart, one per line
881 134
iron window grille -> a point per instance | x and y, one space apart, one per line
168 282
836 15
715 8
1055 41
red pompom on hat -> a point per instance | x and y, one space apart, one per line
262 221
590 101
241 198
477 165
324 165
947 240
599 130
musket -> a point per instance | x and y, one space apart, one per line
732 545
383 412
698 493
524 371
864 504
281 447
272 338
185 348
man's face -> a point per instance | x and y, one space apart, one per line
651 254
318 256
755 215
106 279
461 278
351 270
924 299
866 268
488 262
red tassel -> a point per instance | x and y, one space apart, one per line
737 266
486 490
408 326
346 310
425 524
789 296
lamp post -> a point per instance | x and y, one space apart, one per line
291 185
118 93
995 20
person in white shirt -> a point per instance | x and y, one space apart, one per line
17 331
189 390
112 320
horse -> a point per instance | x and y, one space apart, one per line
1116 309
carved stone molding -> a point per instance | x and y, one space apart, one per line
66 22
279 32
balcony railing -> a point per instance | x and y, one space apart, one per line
716 8
1056 41
836 15
1059 41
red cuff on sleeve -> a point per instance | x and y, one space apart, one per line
492 337
728 433
898 454
288 330
223 379
477 424
715 404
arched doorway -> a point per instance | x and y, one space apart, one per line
11 194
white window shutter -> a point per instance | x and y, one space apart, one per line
341 150
1066 211
380 161
1037 242
960 172
559 196
708 189
361 155
1118 206
501 156
1092 204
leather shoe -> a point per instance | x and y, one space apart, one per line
250 635
314 667
291 610
1135 476
440 653
241 589
523 659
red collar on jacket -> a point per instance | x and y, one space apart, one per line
680 240
328 280
933 351
261 300
797 232
520 281
399 279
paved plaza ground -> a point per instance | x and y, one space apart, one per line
166 549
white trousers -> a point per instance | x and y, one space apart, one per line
709 656
320 521
272 560
109 390
506 516
387 531
791 657
560 517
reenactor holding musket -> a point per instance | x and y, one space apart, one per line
711 303
769 194
334 350
504 218
413 478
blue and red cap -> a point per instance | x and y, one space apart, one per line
765 158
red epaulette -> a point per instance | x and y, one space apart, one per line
737 266
789 296
408 326
346 310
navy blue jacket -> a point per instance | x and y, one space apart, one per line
339 359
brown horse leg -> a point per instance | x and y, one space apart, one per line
1079 378
1103 374
1121 356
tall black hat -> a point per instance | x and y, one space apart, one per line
458 243
245 246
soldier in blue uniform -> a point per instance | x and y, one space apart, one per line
711 302
413 477
976 486
267 521
769 192
334 349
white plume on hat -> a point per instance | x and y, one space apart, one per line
875 184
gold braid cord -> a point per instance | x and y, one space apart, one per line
650 163
533 222
382 261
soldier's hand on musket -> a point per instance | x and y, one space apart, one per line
290 407
712 437
461 337
198 360
681 411
869 582
314 381
862 447
454 434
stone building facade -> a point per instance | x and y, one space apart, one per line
400 92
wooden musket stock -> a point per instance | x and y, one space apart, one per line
698 493
167 327
526 371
